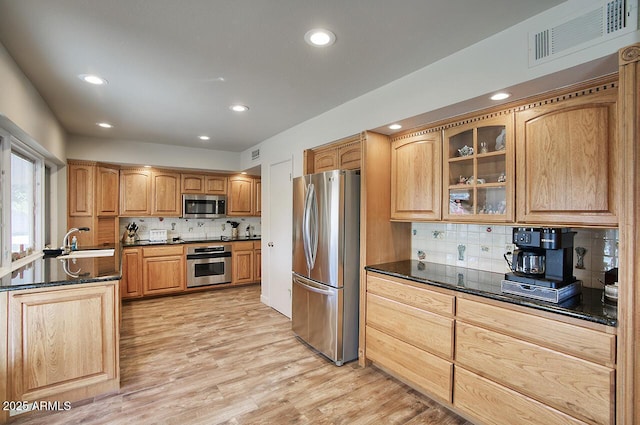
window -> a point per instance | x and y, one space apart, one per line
22 200
23 205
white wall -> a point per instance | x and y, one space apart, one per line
141 153
24 113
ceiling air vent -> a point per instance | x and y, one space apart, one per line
600 23
255 154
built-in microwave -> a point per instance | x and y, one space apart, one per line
204 206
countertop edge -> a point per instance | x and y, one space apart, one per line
511 299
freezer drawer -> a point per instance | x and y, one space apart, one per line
316 316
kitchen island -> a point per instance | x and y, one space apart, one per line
492 357
61 318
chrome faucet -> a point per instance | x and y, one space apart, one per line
65 240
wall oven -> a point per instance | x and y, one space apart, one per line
208 265
204 206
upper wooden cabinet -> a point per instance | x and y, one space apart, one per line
478 170
566 153
165 193
147 192
203 184
243 196
81 178
135 192
415 177
107 191
343 154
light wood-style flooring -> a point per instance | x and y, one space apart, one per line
222 357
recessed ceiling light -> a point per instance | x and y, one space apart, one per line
320 37
500 96
92 79
104 125
239 108
204 137
395 127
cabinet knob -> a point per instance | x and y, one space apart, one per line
270 244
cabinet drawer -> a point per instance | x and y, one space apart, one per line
581 342
574 386
427 372
495 404
243 246
417 327
425 299
161 251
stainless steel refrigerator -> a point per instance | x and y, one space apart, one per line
326 256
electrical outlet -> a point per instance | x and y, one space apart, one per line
509 247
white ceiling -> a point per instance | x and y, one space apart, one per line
162 59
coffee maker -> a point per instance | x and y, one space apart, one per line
544 257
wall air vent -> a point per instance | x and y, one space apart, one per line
255 154
602 22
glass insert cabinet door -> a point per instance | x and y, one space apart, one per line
478 170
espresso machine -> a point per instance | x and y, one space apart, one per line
542 264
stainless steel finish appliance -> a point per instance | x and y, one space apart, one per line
542 266
326 255
204 206
208 265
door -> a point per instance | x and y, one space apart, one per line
316 315
277 279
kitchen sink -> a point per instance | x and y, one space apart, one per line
88 253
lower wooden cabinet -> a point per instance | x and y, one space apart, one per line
163 270
131 281
243 259
63 342
257 251
494 362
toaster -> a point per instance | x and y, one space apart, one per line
157 235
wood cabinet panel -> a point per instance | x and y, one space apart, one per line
215 185
165 194
192 183
495 404
574 386
427 372
427 331
131 282
575 340
63 341
396 289
240 201
325 160
162 275
160 251
107 191
257 190
135 193
567 161
349 156
258 264
80 189
243 265
416 167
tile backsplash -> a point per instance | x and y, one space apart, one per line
190 228
483 247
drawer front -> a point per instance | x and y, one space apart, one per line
581 342
495 404
427 372
412 325
425 299
242 246
160 251
574 386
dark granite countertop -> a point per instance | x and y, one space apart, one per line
47 272
586 306
181 241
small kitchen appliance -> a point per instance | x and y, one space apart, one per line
158 235
542 266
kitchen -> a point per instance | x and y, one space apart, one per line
411 103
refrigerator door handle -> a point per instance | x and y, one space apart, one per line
310 226
313 288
